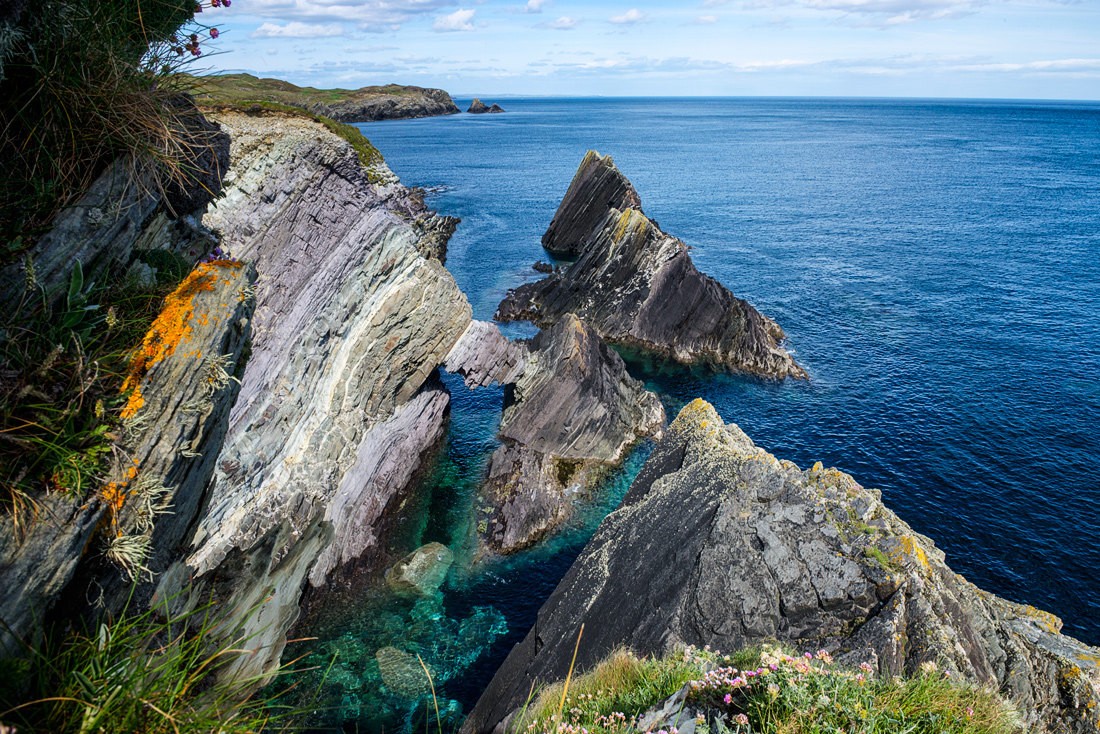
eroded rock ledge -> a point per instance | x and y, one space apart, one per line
719 543
638 287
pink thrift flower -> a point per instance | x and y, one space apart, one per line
214 33
728 699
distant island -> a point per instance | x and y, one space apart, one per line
477 107
366 104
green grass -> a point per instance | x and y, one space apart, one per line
767 692
153 672
238 89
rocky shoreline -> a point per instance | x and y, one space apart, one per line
290 403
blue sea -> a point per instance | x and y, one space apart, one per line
935 264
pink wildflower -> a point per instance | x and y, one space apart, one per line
214 33
741 719
728 699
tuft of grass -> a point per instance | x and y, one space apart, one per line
619 688
85 82
152 672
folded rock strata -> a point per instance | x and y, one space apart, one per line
483 356
638 287
572 412
719 543
339 405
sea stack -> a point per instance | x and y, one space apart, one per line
477 107
638 287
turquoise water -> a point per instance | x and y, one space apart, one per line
936 265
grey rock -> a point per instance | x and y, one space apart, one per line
339 406
477 107
638 287
572 413
719 543
169 446
483 356
597 187
422 571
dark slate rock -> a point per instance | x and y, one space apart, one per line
477 107
572 413
597 187
719 543
638 288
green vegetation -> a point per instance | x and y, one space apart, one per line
63 366
244 89
765 692
85 82
153 672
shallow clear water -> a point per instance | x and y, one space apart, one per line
936 265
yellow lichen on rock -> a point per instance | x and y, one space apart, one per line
172 326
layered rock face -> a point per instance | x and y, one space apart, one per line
572 412
339 405
719 543
638 287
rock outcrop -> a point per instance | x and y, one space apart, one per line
477 107
638 287
719 543
573 412
483 356
339 406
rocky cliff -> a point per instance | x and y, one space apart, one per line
719 543
638 287
339 406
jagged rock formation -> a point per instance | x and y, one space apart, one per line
572 412
719 543
477 107
155 492
597 187
339 406
366 104
638 287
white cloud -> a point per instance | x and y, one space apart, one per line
535 6
884 12
296 29
459 20
706 19
371 14
630 17
564 23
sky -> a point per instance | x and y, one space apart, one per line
1019 49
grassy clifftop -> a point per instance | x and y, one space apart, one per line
391 101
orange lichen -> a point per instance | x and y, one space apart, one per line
171 327
114 495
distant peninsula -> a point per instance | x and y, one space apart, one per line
366 104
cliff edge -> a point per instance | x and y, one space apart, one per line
719 543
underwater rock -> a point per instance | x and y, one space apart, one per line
422 571
638 287
719 543
573 412
401 672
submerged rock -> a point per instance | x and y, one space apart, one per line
719 543
422 571
638 287
573 412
